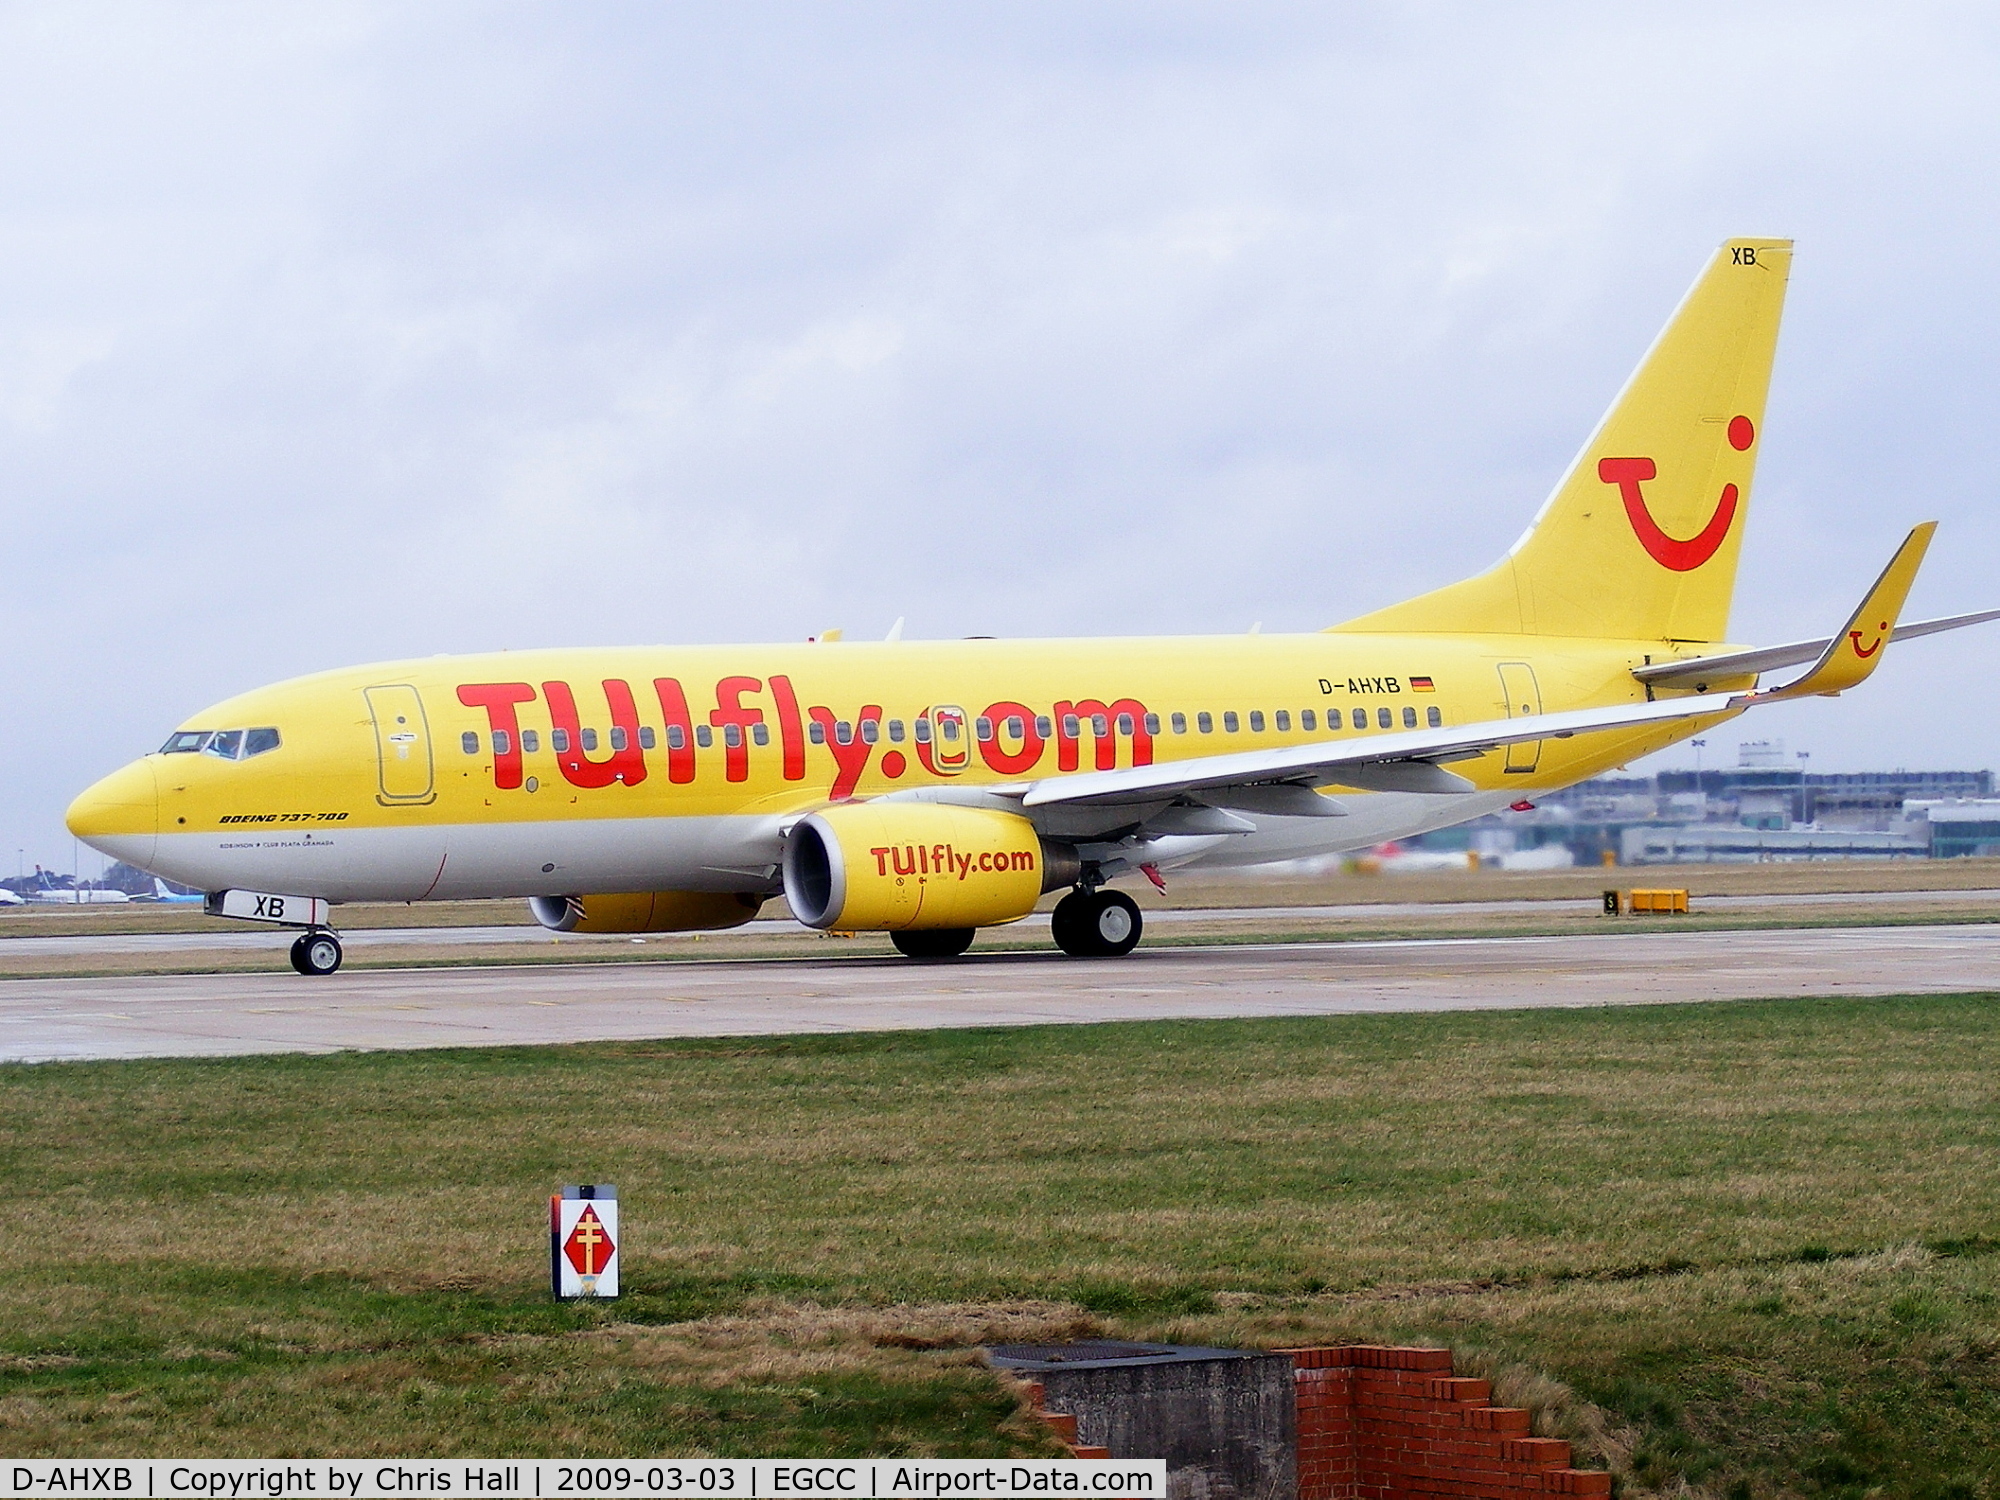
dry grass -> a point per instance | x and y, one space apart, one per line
1665 1229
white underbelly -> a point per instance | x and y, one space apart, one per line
1372 818
456 861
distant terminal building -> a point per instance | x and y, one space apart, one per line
1962 828
1765 808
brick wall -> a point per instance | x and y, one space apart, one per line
1376 1422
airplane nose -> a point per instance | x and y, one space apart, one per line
120 815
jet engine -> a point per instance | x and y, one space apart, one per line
905 866
645 911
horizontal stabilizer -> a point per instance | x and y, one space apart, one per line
1851 657
1700 670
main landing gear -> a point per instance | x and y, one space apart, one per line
316 952
1096 923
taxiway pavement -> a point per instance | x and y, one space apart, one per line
222 1014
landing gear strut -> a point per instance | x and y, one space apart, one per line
316 952
1096 923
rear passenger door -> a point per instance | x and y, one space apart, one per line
1524 700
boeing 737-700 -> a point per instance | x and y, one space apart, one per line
933 788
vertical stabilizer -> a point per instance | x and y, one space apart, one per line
1640 539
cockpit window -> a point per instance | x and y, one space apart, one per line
226 744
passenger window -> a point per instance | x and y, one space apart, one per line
983 727
617 736
1409 718
530 741
895 731
923 728
647 739
1360 718
1152 723
1044 726
843 732
1071 728
1204 723
228 745
1256 721
704 737
1016 727
677 738
950 728
589 738
1125 724
1098 727
1284 721
257 741
816 732
559 741
503 742
1179 721
1308 720
469 742
871 730
1382 719
760 735
732 736
1433 717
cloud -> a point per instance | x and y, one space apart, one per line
357 331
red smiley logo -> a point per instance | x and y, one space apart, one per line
1882 634
1682 556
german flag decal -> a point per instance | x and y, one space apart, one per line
1422 685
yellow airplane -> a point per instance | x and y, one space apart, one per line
930 789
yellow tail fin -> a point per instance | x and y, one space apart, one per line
1640 539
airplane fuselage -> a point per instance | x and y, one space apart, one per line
558 772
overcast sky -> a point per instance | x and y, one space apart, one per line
332 333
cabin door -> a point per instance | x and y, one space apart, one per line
402 745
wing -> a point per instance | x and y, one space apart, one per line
1410 761
1285 780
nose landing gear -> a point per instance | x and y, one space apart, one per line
1096 923
316 952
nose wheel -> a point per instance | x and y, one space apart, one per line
316 953
1096 924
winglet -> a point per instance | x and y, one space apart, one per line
1853 654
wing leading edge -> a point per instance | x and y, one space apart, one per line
1413 760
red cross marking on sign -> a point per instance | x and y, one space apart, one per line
588 1247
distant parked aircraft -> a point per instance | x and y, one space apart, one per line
47 893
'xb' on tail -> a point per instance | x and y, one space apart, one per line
1640 539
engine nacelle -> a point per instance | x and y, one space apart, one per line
645 911
895 866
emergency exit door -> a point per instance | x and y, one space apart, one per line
402 745
1524 700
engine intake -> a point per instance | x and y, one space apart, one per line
645 911
900 866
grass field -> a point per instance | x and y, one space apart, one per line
1752 1248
